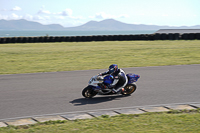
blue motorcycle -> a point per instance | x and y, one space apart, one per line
96 82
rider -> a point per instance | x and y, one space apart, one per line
120 78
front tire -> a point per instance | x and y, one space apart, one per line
88 92
129 89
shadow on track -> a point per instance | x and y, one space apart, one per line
95 100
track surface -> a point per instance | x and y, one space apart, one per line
58 92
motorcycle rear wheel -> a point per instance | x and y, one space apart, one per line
88 92
129 89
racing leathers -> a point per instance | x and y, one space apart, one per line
120 80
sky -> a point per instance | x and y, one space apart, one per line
70 13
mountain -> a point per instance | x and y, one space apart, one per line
114 25
105 25
27 25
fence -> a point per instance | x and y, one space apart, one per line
157 36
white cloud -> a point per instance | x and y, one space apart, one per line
66 12
16 8
64 17
38 17
15 16
28 17
43 11
103 15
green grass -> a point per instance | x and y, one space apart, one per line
68 56
163 122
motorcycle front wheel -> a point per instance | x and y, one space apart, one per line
129 89
88 92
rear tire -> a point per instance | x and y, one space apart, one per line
88 92
129 89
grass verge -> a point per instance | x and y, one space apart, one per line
68 56
186 121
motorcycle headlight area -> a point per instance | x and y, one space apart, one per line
91 80
98 79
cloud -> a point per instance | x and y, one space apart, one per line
69 14
103 15
43 11
13 16
38 17
16 8
45 16
66 12
28 17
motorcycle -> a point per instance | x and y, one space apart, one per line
96 86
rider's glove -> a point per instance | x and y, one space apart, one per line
100 74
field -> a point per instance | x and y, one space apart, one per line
69 56
164 122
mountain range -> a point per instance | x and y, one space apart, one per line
104 25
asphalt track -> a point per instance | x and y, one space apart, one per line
57 92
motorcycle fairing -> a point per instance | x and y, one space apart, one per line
108 80
132 77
